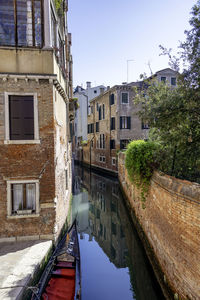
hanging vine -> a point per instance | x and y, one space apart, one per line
140 162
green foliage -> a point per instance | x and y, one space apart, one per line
174 114
58 4
140 162
84 143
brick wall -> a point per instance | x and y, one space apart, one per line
37 162
171 223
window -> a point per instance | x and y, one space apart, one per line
173 80
163 79
123 144
97 106
23 197
61 58
95 91
113 228
102 141
124 97
125 122
112 144
145 124
21 23
99 112
21 118
102 159
112 123
91 128
97 126
92 144
53 30
112 99
103 111
113 161
91 109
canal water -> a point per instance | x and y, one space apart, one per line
113 262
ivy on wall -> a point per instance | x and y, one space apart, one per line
140 162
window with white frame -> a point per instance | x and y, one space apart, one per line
102 158
124 97
23 197
113 161
125 122
21 118
102 141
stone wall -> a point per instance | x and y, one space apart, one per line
171 223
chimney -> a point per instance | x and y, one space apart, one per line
108 87
102 90
88 84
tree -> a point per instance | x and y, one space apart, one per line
174 114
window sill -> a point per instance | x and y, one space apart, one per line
23 216
8 142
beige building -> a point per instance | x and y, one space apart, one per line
35 149
113 122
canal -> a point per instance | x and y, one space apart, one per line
113 262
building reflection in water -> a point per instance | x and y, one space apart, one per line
101 216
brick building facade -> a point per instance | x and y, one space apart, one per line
113 122
35 87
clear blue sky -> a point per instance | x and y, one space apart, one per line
107 33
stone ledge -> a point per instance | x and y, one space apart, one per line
183 188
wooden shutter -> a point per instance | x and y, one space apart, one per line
113 123
120 122
21 113
112 99
128 122
99 112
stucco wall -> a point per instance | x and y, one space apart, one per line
62 161
26 61
171 223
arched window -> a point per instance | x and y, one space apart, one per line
21 23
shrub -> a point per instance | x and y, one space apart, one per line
140 162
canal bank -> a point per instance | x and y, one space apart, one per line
114 263
21 264
169 226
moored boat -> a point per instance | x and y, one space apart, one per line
61 279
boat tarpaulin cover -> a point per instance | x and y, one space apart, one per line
62 286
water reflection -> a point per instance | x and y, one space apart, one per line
114 265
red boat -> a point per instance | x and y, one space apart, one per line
61 279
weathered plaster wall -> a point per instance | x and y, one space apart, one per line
26 61
171 222
62 157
